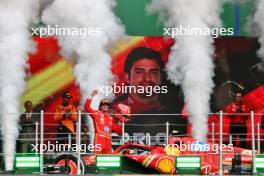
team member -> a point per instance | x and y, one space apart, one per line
104 124
27 124
66 117
237 120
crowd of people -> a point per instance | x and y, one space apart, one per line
66 115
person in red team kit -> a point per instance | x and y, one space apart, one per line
104 124
238 121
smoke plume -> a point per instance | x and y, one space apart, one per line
258 19
15 44
93 62
93 65
191 59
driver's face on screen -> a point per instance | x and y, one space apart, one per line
144 72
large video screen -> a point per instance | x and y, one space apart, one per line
49 75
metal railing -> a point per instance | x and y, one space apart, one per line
215 136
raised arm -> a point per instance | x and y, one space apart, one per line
87 105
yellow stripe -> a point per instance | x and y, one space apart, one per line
48 82
146 160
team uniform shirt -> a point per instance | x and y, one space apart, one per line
236 110
66 120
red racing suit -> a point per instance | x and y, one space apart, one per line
104 124
236 110
238 122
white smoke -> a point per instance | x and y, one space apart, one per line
93 66
191 59
15 44
93 62
258 19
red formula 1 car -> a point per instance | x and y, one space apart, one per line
163 158
143 159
